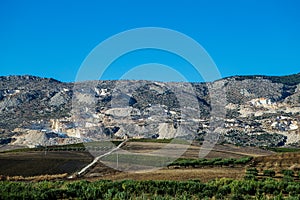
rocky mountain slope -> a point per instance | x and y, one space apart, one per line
242 110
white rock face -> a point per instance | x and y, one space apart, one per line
102 92
119 112
64 125
166 131
35 138
284 123
293 126
31 139
90 125
232 106
292 137
261 102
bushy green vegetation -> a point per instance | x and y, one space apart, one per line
252 171
287 172
288 80
185 162
268 172
251 174
128 189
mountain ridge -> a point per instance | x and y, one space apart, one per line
27 76
35 105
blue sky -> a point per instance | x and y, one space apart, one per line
52 38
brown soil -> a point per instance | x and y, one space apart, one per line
278 162
39 163
218 151
204 174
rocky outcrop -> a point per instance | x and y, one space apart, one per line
46 111
36 138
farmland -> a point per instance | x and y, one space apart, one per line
69 160
227 172
36 163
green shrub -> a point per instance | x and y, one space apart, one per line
252 171
287 172
270 173
185 162
250 177
287 178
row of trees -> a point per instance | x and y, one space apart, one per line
287 174
184 162
128 189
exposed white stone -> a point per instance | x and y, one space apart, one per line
119 112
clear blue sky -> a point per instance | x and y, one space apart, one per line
52 38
